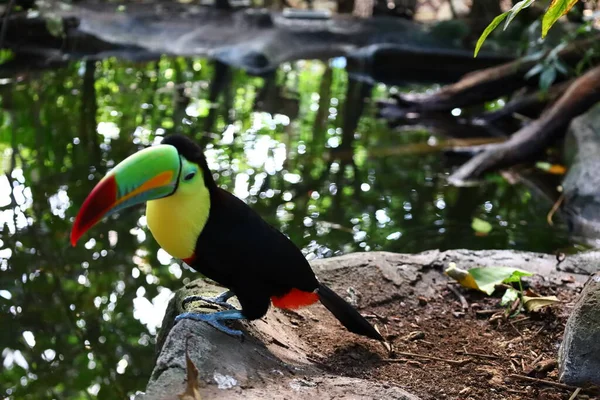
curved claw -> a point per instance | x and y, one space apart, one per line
220 300
214 319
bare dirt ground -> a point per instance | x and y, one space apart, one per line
443 351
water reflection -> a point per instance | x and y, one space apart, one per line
301 146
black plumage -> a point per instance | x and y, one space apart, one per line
241 251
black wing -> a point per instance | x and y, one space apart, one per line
240 250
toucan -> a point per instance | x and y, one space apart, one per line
215 233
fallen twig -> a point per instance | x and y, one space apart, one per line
541 381
484 313
575 393
466 353
515 328
537 359
426 357
463 301
555 207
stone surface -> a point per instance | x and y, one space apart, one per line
579 355
581 185
270 363
274 362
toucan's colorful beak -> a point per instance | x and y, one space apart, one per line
149 174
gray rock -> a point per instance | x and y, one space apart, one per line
579 354
581 185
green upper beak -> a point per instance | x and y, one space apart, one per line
149 174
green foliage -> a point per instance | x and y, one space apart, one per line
557 9
548 68
6 55
489 29
517 8
509 297
488 278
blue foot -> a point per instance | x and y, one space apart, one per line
220 300
214 319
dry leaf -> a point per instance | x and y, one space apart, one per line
192 390
461 276
536 303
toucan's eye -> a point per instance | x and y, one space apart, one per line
189 176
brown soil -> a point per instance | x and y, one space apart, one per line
438 326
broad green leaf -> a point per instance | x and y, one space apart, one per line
557 9
488 278
485 279
481 226
489 30
509 296
517 9
536 303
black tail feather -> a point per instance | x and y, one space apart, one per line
346 314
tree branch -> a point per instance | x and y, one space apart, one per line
533 138
490 83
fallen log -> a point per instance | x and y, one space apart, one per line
535 137
256 40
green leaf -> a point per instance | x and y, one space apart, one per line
561 67
537 68
509 296
517 9
557 9
517 275
547 78
481 226
488 278
489 30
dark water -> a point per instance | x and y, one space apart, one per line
79 323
